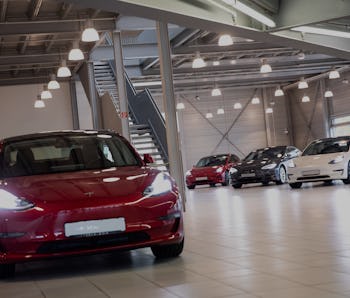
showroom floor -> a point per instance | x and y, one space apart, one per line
254 242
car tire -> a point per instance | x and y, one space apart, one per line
347 181
7 270
212 184
191 186
295 185
227 180
282 176
265 183
168 251
237 185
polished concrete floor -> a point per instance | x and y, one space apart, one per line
254 242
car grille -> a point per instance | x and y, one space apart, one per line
320 177
105 241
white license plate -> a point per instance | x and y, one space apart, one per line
311 172
246 175
94 227
201 178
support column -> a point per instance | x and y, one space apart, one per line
327 108
174 147
74 103
288 108
267 118
122 94
96 119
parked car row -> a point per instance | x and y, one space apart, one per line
322 160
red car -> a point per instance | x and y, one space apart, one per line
211 170
77 192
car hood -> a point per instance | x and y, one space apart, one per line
316 160
74 186
257 163
204 170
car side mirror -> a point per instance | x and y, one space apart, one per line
147 158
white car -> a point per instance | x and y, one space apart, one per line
322 160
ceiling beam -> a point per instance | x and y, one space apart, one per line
4 5
300 12
34 8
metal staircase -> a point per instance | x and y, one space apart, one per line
142 135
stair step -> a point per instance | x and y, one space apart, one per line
138 126
137 137
140 131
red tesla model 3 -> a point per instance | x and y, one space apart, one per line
77 192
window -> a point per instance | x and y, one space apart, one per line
340 126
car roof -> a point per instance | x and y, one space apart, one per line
333 138
57 133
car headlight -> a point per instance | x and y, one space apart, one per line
188 173
291 164
161 184
8 201
219 169
233 170
269 166
338 159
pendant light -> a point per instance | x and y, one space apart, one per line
225 40
269 111
237 106
63 71
53 84
328 93
216 63
279 92
209 115
255 100
305 98
220 111
75 53
265 67
198 61
180 106
334 74
216 91
89 34
45 94
39 103
303 84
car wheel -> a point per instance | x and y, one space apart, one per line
265 183
191 186
168 251
347 181
227 180
7 270
283 175
295 185
237 185
212 184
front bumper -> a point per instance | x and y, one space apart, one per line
320 173
211 178
256 176
34 235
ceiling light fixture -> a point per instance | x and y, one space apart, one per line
216 63
63 71
303 84
208 115
305 99
269 111
53 84
216 91
265 67
198 61
89 34
220 111
225 40
251 12
322 31
45 94
279 92
237 106
334 74
39 103
75 53
180 106
255 100
328 93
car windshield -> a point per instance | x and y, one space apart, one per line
209 161
65 153
327 146
268 153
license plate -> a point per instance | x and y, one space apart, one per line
246 175
94 227
311 172
201 178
